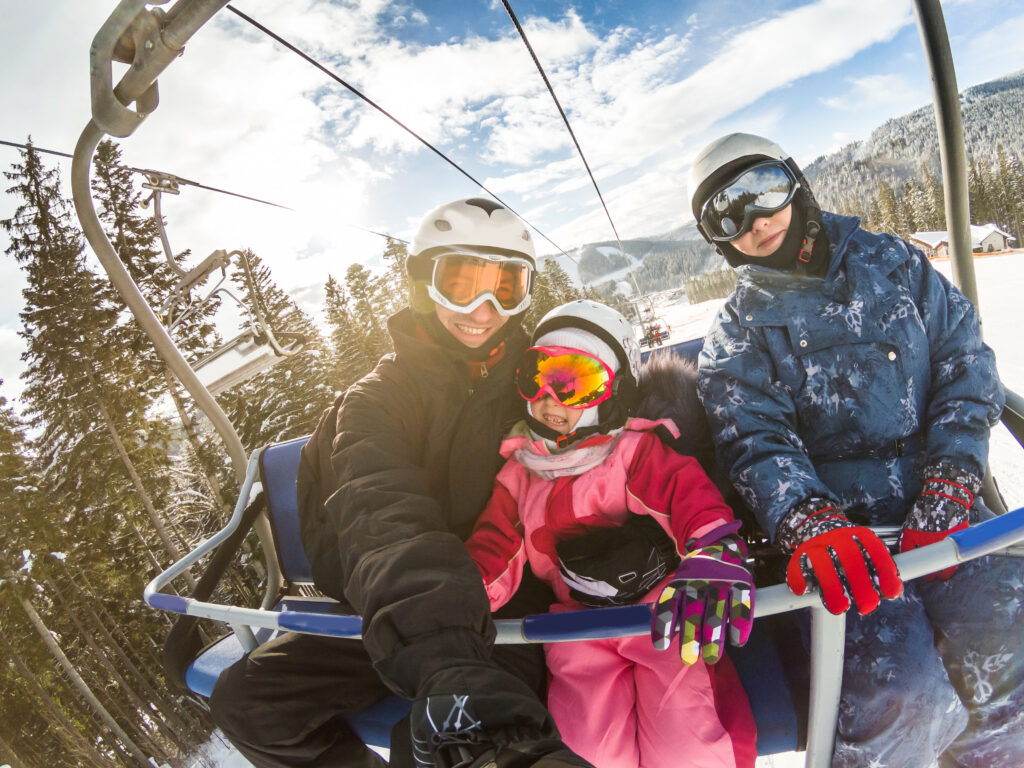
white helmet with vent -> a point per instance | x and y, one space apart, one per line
473 227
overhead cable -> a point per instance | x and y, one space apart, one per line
309 59
168 176
178 180
565 119
572 134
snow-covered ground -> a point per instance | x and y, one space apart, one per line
1000 282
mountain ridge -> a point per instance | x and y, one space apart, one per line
844 179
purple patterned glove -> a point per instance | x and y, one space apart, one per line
942 507
712 592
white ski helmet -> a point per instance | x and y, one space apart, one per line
725 157
605 323
472 226
616 332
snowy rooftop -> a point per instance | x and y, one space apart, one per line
978 233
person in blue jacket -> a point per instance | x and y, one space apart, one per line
847 385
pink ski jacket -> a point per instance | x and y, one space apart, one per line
527 514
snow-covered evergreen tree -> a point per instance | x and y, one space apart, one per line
286 400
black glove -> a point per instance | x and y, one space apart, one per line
617 566
447 732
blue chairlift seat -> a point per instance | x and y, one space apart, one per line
771 675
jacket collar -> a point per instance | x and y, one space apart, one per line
435 359
520 438
855 254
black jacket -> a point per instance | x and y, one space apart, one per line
406 461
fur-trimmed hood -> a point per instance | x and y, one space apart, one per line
668 390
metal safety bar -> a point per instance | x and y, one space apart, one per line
995 536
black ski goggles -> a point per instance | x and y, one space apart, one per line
761 189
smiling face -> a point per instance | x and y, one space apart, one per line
766 234
472 329
553 414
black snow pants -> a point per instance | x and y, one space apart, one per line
284 704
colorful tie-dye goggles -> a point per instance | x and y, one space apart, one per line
462 282
571 376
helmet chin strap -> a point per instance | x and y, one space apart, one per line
611 417
812 225
561 441
588 424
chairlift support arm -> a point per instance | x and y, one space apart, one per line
147 39
952 152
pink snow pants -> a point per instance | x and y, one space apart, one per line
622 704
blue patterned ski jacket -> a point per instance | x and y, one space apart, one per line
810 382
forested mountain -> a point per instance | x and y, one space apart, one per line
993 116
851 180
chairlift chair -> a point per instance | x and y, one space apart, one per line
252 351
794 696
149 40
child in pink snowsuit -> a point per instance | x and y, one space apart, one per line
578 463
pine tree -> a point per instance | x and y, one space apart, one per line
19 495
933 217
888 213
1009 218
66 316
908 207
395 279
135 237
551 288
100 455
369 302
135 240
352 360
978 188
285 401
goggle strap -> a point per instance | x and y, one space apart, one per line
439 298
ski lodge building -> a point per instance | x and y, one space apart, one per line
985 238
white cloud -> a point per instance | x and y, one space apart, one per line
240 112
878 90
626 108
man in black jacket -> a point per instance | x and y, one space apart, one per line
389 487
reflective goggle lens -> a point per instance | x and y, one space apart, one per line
573 377
729 212
461 279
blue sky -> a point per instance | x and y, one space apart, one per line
645 84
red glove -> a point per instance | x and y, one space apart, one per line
942 508
844 560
